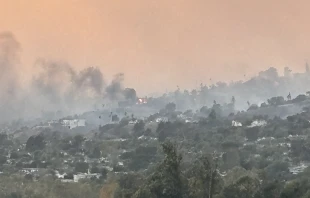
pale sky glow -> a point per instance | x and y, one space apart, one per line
160 44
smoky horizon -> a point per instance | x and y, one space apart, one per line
157 42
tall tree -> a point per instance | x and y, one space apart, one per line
203 177
166 181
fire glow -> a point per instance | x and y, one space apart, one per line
142 101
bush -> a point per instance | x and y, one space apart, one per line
275 101
29 177
69 176
14 155
81 167
95 169
3 159
253 107
35 143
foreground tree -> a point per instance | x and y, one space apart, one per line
35 142
204 180
166 181
244 187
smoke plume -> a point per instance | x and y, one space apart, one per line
55 86
90 78
9 85
114 90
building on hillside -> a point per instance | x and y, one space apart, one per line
67 180
29 170
54 123
33 171
298 168
77 177
74 123
162 119
258 123
236 124
133 122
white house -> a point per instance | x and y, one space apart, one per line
236 124
77 177
74 123
29 170
163 119
133 122
298 168
60 176
258 123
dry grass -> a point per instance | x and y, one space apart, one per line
107 191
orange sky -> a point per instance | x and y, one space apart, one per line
167 43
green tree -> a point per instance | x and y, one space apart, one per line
203 179
130 94
245 187
138 128
115 118
128 185
275 101
277 170
35 143
296 188
78 141
3 138
170 107
143 193
166 181
252 133
231 157
81 167
96 152
212 115
3 159
271 190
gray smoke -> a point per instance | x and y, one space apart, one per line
9 58
55 86
114 91
90 78
9 85
53 80
60 87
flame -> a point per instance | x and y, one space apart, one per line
142 101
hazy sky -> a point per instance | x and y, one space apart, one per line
160 44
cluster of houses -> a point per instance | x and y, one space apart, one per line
70 124
255 123
62 177
77 177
